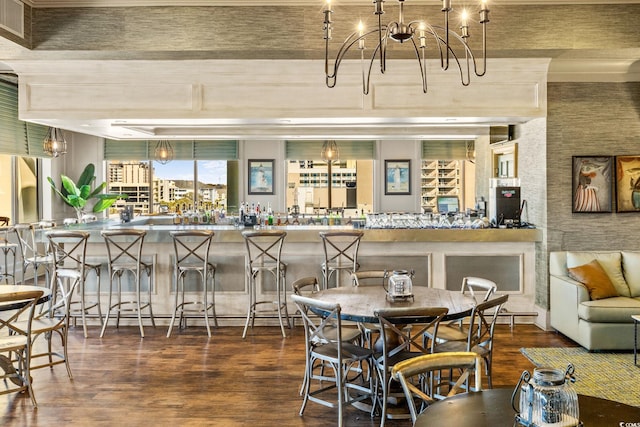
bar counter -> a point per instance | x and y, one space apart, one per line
438 257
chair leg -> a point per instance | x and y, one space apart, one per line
175 307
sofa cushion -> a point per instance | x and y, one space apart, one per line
631 271
611 262
595 279
610 310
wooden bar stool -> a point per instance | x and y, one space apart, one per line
191 249
124 250
264 251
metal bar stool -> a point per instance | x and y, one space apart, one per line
340 253
264 250
191 249
124 250
33 253
7 248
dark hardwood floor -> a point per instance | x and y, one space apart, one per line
190 380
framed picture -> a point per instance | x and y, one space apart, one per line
260 176
592 183
397 177
628 183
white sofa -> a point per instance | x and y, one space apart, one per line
603 324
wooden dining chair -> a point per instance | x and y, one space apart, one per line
15 339
415 375
401 330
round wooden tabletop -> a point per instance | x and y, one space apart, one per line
491 408
359 303
9 289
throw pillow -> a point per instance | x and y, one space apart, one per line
611 262
595 279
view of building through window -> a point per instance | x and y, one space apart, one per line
308 185
171 188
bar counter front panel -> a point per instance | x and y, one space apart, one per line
435 255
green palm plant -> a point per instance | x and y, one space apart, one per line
77 194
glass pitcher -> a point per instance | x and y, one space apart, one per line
547 399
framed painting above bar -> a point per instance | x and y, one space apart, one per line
260 176
397 177
628 183
592 184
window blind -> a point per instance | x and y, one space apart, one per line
348 150
458 149
18 137
182 150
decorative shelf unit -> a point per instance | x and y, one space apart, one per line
439 178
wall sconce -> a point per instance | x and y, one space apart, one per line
164 152
54 143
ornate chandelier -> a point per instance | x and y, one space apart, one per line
452 46
54 143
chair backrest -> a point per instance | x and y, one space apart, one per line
22 302
483 321
124 247
305 285
4 220
370 278
264 247
398 339
478 288
341 247
316 327
191 248
5 233
411 374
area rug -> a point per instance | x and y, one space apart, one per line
607 375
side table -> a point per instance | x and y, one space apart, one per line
636 320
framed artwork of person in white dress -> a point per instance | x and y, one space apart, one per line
397 177
592 183
261 176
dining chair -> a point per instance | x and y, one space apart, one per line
68 249
124 252
34 254
478 333
264 255
415 377
401 330
477 288
323 350
9 251
340 254
369 278
308 286
191 252
15 340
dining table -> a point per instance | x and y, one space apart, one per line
359 303
492 408
5 362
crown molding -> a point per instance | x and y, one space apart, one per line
217 3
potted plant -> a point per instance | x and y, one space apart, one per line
77 194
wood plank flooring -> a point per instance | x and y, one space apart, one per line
190 380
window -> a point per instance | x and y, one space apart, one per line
156 188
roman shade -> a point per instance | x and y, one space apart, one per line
182 150
349 150
457 149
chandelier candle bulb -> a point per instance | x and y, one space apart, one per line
484 12
464 28
361 32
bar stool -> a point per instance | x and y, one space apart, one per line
191 249
7 248
264 250
340 253
33 254
124 251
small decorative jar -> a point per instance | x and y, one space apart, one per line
400 285
547 399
